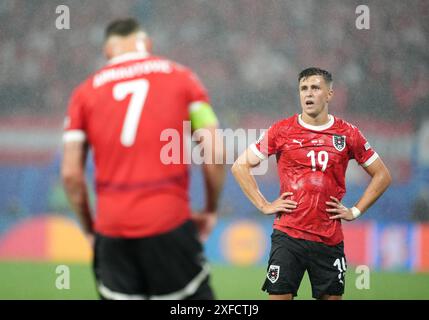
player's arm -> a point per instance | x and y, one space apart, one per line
73 177
243 174
380 181
204 124
213 166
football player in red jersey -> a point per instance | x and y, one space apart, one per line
147 243
312 151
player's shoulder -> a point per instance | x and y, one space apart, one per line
82 88
345 125
285 123
282 127
186 72
176 66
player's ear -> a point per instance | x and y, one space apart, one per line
143 43
148 43
108 49
330 94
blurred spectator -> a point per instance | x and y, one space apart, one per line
248 52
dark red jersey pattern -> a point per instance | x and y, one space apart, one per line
312 163
121 111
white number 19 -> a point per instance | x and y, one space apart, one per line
138 90
322 159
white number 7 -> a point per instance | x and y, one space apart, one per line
138 90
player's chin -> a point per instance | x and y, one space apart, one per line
311 109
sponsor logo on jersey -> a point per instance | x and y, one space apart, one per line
339 142
273 273
298 141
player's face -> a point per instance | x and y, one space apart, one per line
314 94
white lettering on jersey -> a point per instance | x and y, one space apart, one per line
132 71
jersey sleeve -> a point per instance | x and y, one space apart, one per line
197 91
362 150
266 144
201 112
74 122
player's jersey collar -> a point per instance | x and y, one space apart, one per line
317 128
128 57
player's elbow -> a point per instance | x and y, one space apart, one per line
387 177
238 167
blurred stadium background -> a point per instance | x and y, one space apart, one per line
248 53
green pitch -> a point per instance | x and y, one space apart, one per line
20 280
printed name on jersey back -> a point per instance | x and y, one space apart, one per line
131 71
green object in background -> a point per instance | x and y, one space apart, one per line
28 280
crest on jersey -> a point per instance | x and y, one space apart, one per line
273 273
339 142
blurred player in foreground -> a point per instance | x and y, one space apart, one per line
312 151
147 243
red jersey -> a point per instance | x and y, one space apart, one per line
312 163
121 111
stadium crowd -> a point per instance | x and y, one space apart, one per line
247 52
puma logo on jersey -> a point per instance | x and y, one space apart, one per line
296 141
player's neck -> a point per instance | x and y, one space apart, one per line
319 120
128 55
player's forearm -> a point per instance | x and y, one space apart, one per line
248 184
77 195
213 166
214 175
379 183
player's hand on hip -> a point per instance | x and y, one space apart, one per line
280 205
338 210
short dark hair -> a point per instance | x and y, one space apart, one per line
122 27
313 71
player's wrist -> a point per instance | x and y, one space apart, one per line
263 206
356 212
